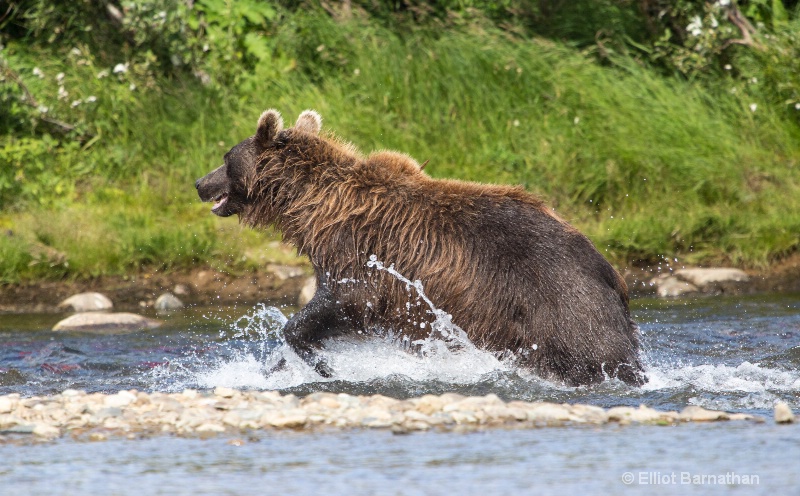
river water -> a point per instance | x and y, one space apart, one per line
739 354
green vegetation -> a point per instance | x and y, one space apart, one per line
655 141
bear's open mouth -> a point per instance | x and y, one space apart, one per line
219 202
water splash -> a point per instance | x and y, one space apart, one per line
254 344
443 330
241 359
686 363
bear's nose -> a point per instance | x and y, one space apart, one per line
197 184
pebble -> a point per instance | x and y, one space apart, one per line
783 414
134 414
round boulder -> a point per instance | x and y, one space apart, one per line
168 301
86 302
106 323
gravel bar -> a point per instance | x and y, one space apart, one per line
134 414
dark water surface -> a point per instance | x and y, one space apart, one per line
738 354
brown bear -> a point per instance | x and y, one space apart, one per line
515 277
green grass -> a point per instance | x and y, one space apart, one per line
649 167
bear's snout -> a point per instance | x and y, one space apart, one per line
215 187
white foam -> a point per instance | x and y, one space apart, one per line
745 386
746 378
446 355
241 373
365 360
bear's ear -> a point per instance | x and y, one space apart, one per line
269 124
309 122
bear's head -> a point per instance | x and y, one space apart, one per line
229 186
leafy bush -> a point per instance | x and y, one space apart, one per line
655 139
773 72
38 171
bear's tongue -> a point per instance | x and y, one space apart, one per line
219 203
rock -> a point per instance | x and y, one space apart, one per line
41 253
291 419
45 430
97 416
20 428
699 280
375 413
667 285
704 278
549 412
428 404
210 427
400 430
309 288
7 404
694 413
783 413
460 417
589 413
416 416
473 403
105 413
191 393
12 377
180 290
224 392
87 302
643 414
106 323
168 301
284 272
121 399
322 400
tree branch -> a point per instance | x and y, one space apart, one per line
745 27
28 99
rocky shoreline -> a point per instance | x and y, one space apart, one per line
223 411
279 284
282 284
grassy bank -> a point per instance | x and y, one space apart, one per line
649 166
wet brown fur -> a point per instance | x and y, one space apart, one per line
512 274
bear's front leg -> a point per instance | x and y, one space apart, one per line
320 319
